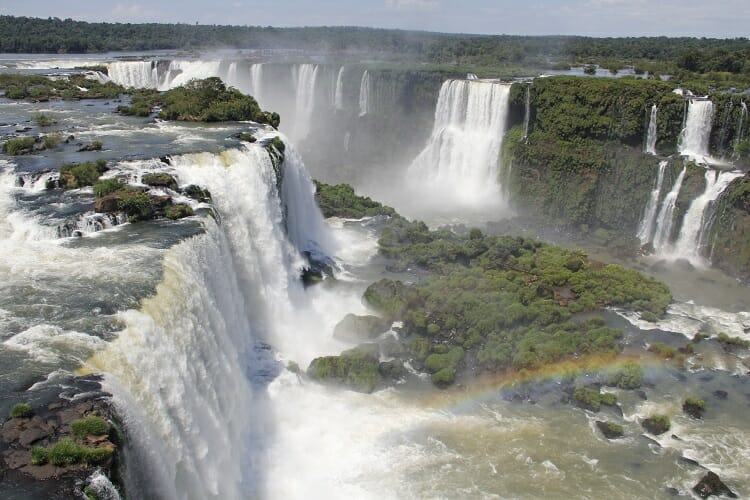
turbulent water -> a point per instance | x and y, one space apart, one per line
458 168
193 323
695 137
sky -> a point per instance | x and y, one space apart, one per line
701 18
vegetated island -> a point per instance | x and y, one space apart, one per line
481 304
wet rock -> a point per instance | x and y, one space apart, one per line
392 370
108 203
160 180
165 159
673 492
657 424
694 407
722 395
357 329
610 430
711 484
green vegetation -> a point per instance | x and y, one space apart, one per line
340 201
356 369
20 146
443 366
51 141
247 137
77 175
178 211
107 186
630 376
42 88
662 350
90 493
67 452
610 430
206 100
732 342
43 120
21 410
694 407
160 180
656 424
135 204
730 232
592 399
89 426
197 193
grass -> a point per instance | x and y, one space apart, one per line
22 145
89 426
67 452
21 410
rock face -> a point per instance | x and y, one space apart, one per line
730 232
357 329
710 484
21 440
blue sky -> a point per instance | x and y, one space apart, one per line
717 18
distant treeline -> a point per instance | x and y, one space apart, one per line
700 55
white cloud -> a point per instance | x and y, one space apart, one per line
133 13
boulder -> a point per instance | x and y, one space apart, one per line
657 424
355 369
610 429
392 370
357 329
107 204
160 180
711 484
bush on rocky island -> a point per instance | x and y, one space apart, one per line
694 407
340 201
77 175
20 146
355 369
656 424
21 410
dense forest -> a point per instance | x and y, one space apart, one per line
698 55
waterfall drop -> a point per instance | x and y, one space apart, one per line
527 113
338 98
646 228
305 77
136 74
651 136
364 94
694 138
664 221
459 165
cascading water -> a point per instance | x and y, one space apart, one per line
664 220
305 77
650 146
364 94
201 417
694 138
740 125
338 98
256 81
181 72
695 224
646 227
459 164
138 74
527 113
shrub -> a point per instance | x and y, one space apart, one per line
43 120
728 342
178 211
51 141
136 205
21 410
39 455
662 350
66 452
694 407
107 186
160 180
656 424
78 175
89 426
97 145
630 376
588 398
20 146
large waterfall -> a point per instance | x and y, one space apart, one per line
364 94
304 77
338 94
696 223
138 74
190 367
664 221
646 227
650 146
694 138
459 165
527 113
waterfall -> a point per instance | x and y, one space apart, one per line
695 224
364 94
651 137
471 76
181 72
305 77
527 113
459 164
694 138
232 78
646 227
338 99
138 74
256 81
740 124
664 220
189 370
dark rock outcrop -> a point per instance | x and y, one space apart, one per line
610 429
356 329
711 484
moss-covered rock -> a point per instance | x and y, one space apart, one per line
656 424
340 200
357 329
694 407
355 369
160 180
610 430
178 211
77 175
730 232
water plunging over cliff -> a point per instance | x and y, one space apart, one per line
459 164
190 366
338 98
646 227
527 113
651 136
740 125
696 223
138 74
305 78
694 138
664 220
364 94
